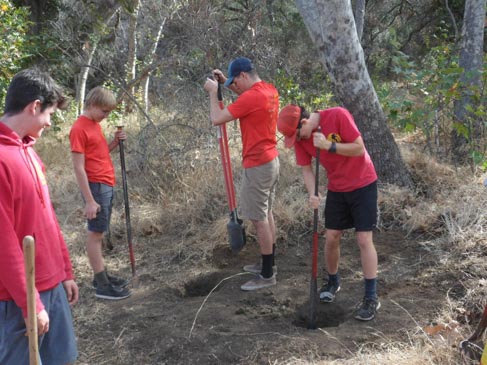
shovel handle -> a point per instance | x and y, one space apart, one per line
128 225
313 287
29 264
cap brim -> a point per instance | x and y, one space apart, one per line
289 141
228 82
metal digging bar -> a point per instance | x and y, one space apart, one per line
235 228
313 287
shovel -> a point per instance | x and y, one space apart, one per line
30 268
135 278
313 287
235 228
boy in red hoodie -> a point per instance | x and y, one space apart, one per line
26 209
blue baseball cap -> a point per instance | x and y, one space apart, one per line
238 65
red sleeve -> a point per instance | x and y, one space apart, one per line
68 267
347 127
303 158
77 139
12 273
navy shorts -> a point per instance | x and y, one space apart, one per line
56 347
103 195
355 209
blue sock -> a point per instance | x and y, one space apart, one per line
371 288
334 279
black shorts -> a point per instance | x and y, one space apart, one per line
355 209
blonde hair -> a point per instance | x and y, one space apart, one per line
100 97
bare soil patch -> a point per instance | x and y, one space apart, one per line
164 321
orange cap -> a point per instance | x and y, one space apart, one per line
287 123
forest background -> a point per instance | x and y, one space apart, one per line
421 106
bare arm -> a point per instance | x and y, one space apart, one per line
356 148
119 135
91 207
218 116
309 182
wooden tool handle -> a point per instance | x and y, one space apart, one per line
29 263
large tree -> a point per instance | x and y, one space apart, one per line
471 58
331 26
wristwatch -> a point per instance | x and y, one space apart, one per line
333 148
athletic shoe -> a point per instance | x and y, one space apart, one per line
257 268
328 292
111 292
114 280
367 309
259 283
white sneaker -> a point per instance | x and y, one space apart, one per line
259 283
257 268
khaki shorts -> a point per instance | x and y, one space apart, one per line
258 190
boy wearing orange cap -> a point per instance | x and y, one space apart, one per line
351 200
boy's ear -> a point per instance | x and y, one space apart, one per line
32 106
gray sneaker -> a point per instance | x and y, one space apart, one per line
367 309
114 280
257 268
259 283
328 292
112 292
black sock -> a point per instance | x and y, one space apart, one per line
267 266
273 254
102 278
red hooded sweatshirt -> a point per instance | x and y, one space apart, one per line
26 209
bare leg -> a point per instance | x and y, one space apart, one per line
332 250
272 225
94 251
264 236
368 254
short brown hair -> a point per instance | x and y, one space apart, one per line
100 97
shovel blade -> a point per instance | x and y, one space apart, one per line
236 235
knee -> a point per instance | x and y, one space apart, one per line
333 238
365 242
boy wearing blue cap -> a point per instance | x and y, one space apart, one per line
256 108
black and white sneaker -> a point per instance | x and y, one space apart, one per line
367 309
112 292
114 280
328 292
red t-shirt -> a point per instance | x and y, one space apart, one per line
86 137
257 110
344 173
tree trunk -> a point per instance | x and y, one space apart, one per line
132 51
332 29
359 15
153 57
88 50
471 58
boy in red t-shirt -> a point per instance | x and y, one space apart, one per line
351 200
95 174
256 108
